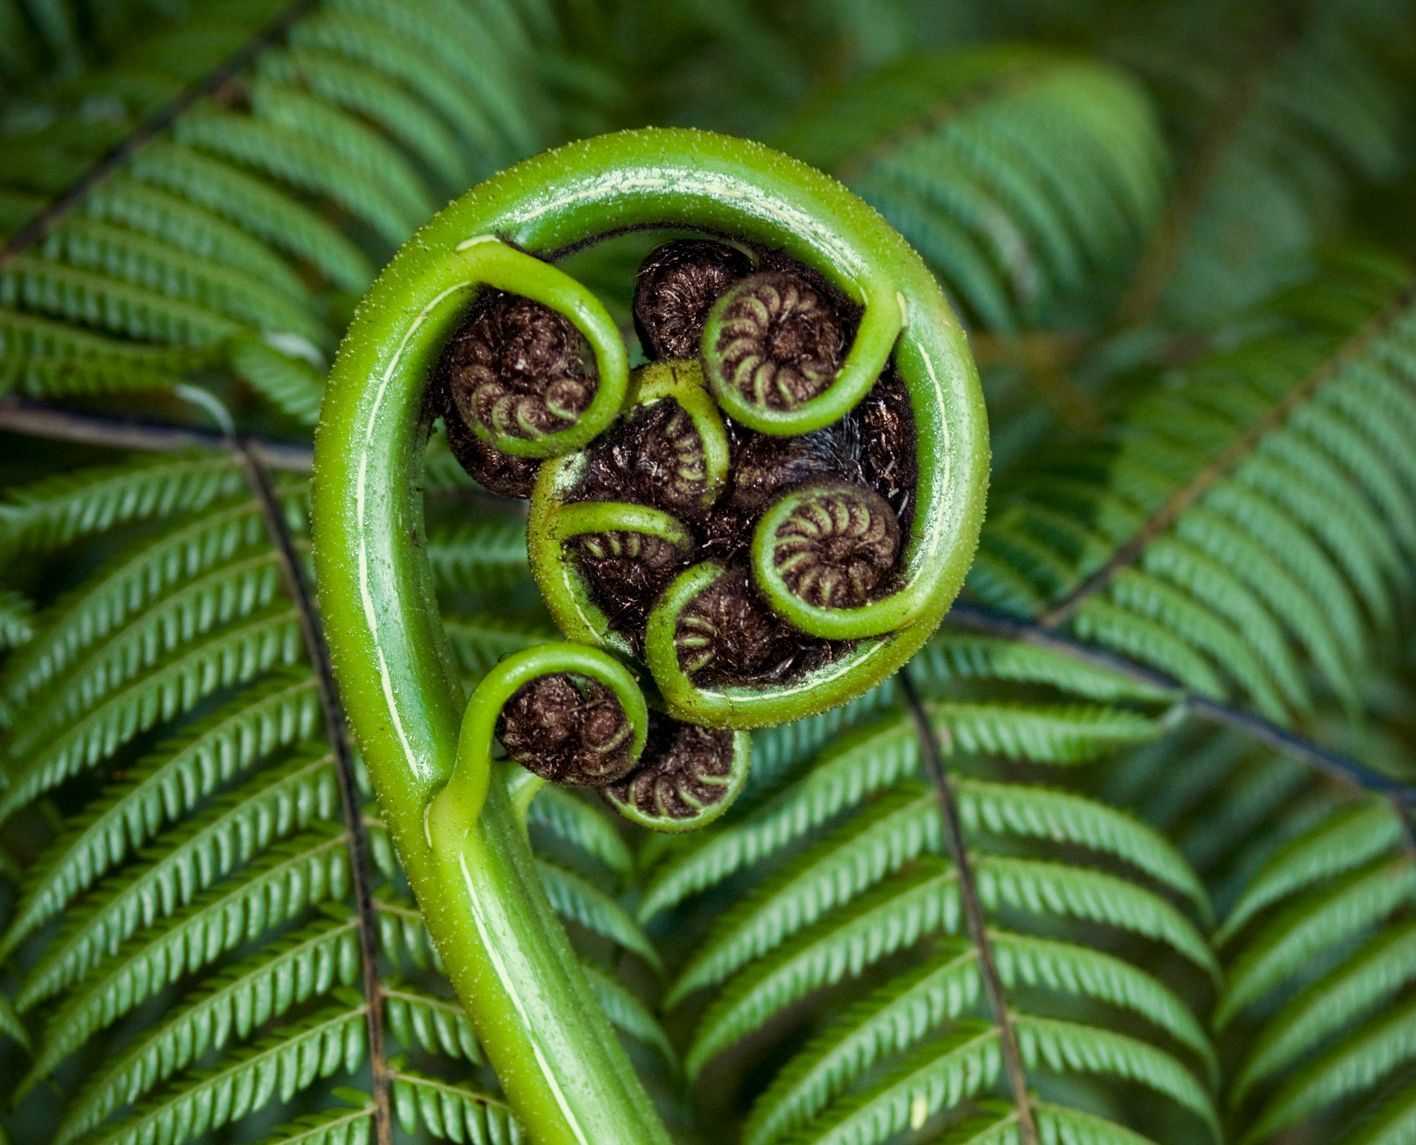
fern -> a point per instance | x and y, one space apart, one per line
867 891
1277 119
1148 900
992 162
1279 439
158 258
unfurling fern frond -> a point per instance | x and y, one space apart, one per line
1250 520
1088 918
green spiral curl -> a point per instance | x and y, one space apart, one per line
814 314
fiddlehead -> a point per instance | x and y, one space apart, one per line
674 290
834 546
770 517
517 369
775 341
687 777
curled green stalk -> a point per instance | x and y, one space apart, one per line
766 519
614 702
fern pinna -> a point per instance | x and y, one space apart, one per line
1127 856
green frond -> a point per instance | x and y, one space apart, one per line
360 148
436 1025
416 127
1348 837
480 557
945 1073
1279 122
778 751
291 877
627 1012
49 357
16 619
1148 641
254 205
570 819
899 828
308 964
1319 922
132 584
1373 976
293 381
59 510
84 297
275 803
862 762
1356 1062
230 593
1289 436
960 656
191 229
1041 733
1014 170
1066 1047
451 1112
232 656
356 38
481 639
1253 568
1056 1122
402 933
1216 635
308 164
768 965
1070 969
112 252
893 916
272 714
903 1012
1060 817
1392 1124
281 1065
350 1125
228 226
578 900
10 1025
941 1074
1051 889
837 869
894 1017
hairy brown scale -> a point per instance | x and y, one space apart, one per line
676 288
675 776
568 729
518 368
764 468
492 469
653 456
884 425
838 546
626 572
728 635
780 342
